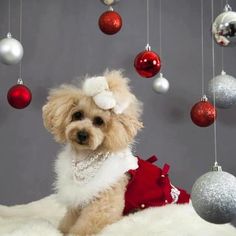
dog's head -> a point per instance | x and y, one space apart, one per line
101 115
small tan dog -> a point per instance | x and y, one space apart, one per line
97 123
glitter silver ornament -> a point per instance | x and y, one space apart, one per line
11 50
224 27
225 90
214 196
110 2
161 84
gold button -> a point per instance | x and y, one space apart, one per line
142 206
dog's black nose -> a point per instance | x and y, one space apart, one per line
82 136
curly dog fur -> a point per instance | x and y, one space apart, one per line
68 111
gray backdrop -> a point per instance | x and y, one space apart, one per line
62 41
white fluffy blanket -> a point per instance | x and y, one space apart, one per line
41 218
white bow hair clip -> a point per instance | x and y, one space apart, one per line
98 89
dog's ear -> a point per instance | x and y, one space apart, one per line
130 108
131 124
56 112
130 117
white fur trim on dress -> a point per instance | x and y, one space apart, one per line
71 193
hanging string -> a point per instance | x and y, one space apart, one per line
222 59
202 48
222 48
9 16
148 29
20 66
160 26
213 74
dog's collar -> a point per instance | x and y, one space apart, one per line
111 170
85 170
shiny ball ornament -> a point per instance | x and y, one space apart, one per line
225 90
11 50
147 63
19 96
161 85
214 196
110 22
224 27
110 2
203 113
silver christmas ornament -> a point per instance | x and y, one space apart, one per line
161 84
214 196
11 50
225 90
110 2
224 27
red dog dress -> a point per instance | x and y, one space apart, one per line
150 186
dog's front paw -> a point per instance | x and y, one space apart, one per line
82 232
64 231
72 234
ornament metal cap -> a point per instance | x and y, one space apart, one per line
223 72
216 167
204 98
20 81
227 8
9 35
148 47
110 8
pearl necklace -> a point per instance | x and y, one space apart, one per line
85 170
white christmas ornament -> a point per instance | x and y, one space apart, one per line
109 2
11 50
214 196
161 84
224 87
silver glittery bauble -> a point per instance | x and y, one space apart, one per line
214 197
161 84
110 2
11 50
225 90
224 27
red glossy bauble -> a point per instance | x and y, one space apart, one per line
19 96
147 64
203 114
110 22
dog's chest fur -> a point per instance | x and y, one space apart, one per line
73 193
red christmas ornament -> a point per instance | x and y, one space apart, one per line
19 96
147 63
203 113
110 22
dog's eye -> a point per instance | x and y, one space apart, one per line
79 115
98 121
